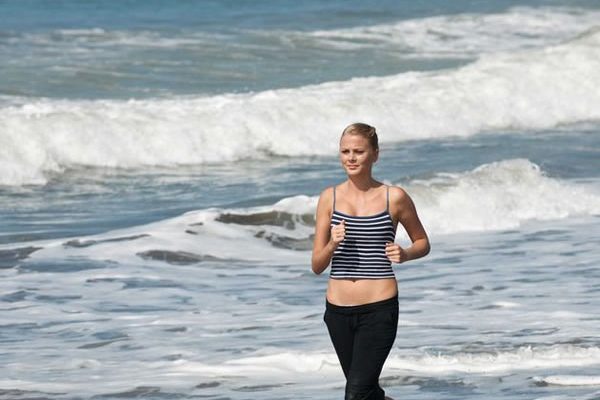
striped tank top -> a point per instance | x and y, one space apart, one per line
361 255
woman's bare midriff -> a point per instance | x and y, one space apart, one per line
353 292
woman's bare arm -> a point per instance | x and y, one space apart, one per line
323 245
406 215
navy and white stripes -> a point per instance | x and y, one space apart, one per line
362 252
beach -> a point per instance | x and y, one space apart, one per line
161 162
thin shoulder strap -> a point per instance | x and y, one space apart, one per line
387 198
333 197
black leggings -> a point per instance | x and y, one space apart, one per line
362 337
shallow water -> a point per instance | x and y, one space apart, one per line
157 210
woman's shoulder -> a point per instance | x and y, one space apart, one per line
326 195
327 192
398 195
325 203
331 189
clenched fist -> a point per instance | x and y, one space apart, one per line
395 253
338 232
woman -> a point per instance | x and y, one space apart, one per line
357 238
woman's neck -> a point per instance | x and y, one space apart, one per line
361 183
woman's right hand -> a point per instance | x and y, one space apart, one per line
338 232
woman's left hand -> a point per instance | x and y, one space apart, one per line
395 253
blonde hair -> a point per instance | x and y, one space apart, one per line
364 130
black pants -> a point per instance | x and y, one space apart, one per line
362 337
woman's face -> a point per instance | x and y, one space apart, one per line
356 154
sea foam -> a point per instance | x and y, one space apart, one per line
458 35
568 380
279 363
494 196
527 90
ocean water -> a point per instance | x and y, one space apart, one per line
160 164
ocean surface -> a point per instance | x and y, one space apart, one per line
160 164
